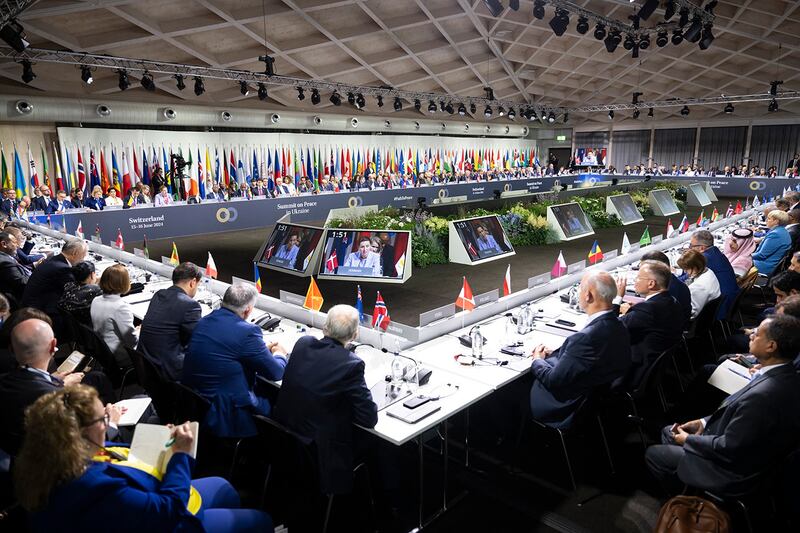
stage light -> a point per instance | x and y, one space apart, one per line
487 112
473 108
27 71
644 42
706 37
773 106
583 25
351 98
685 111
560 22
566 117
538 9
360 101
629 43
612 40
13 34
501 111
495 7
398 104
179 83
533 116
86 74
147 82
432 107
551 117
662 39
677 37
199 87
600 32
449 108
462 109
692 34
442 107
636 113
380 100
684 17
315 97
417 104
244 88
512 115
773 87
635 98
728 108
611 115
513 4
269 64
336 98
124 83
669 10
301 94
262 92
650 113
647 9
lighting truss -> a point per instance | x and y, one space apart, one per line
680 102
10 9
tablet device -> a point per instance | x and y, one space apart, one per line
412 416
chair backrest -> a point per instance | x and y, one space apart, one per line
189 405
294 454
158 388
97 348
652 375
747 281
708 314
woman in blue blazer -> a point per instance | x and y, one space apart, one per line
774 245
70 482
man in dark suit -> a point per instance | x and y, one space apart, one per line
225 354
793 227
754 428
8 203
59 204
46 284
588 360
703 241
170 320
132 199
677 289
324 393
651 323
13 276
41 199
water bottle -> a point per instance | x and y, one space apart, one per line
398 371
511 330
522 321
477 342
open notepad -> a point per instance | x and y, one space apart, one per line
729 377
149 444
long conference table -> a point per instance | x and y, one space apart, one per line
442 353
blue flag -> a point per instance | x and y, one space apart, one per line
360 305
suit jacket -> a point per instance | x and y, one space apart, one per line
46 285
55 207
7 206
680 291
224 356
721 266
653 328
13 276
595 356
753 429
130 499
167 328
94 203
19 389
77 203
322 395
794 234
771 250
39 203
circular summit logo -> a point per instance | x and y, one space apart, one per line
227 214
757 185
355 201
443 193
507 187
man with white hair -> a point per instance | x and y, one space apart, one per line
593 357
324 393
225 353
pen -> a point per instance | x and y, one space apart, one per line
171 441
738 374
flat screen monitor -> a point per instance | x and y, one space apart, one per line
590 157
625 208
571 220
366 255
665 203
481 239
700 194
290 248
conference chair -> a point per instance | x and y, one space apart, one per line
701 328
764 282
159 389
294 462
98 349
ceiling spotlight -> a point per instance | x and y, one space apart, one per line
495 7
628 43
644 42
244 88
662 39
583 25
262 92
147 82
86 74
647 9
449 108
728 108
501 111
538 9
635 99
360 101
315 98
532 115
351 98
269 64
124 83
677 37
513 4
336 98
600 32
566 117
27 71
684 20
417 104
706 38
636 113
669 10
473 108
611 115
380 100
14 34
432 107
773 106
487 112
398 104
512 115
773 87
179 83
692 34
560 22
199 87
462 109
442 107
650 113
551 117
301 94
612 40
685 111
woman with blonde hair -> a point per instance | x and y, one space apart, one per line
112 317
701 280
69 481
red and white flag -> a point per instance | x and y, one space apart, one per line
119 243
560 266
465 300
670 229
269 252
211 267
380 314
683 227
332 263
507 281
471 250
79 230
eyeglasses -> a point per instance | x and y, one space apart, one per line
106 418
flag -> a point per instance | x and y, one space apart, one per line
314 298
700 218
60 185
507 281
81 172
380 314
729 211
714 215
670 229
645 239
559 267
20 183
465 300
756 201
626 244
144 245
119 243
256 277
45 174
97 230
49 222
683 227
79 230
332 263
5 177
174 260
738 209
211 267
595 254
360 304
34 176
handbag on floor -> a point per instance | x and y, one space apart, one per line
690 514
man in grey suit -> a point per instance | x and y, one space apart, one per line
170 320
754 428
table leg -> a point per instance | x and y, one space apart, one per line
421 480
466 439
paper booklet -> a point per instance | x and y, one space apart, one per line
133 409
730 377
148 445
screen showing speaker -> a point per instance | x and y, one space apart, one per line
290 247
626 208
665 201
483 237
572 220
365 254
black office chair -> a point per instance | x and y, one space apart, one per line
157 387
98 349
701 327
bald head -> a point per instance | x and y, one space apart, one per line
597 292
33 343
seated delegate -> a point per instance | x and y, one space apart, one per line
774 245
702 282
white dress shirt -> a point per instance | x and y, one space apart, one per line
112 319
703 289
